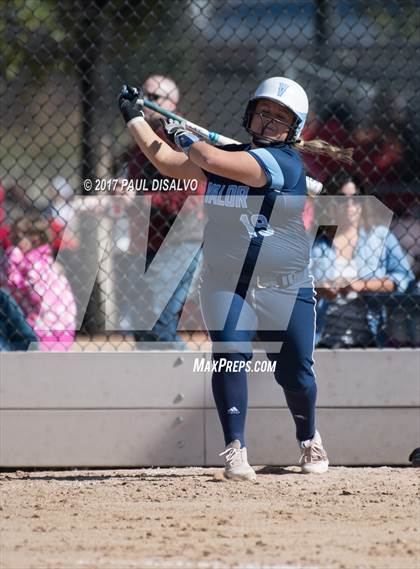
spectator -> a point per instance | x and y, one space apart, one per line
343 318
4 227
66 207
39 285
334 126
385 146
407 230
165 208
62 211
15 332
13 203
379 155
16 201
19 198
406 129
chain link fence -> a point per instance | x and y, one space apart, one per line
70 252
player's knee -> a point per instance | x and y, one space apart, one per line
298 380
227 343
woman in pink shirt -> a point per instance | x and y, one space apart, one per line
40 286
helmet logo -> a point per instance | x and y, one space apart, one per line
282 89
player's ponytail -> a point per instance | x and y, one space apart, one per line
323 148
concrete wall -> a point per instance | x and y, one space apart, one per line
143 409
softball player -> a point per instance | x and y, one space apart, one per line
242 190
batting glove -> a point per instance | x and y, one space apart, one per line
179 135
130 102
170 127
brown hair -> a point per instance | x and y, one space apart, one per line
324 148
35 228
335 182
332 187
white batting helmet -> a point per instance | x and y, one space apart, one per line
287 93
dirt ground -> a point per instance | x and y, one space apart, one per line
192 518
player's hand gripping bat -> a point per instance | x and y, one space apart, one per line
314 187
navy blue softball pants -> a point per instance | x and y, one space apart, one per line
262 311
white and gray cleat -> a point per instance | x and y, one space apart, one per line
313 459
236 463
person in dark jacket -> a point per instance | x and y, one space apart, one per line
15 332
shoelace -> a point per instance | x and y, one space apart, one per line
312 452
231 454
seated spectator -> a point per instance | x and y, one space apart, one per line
346 267
407 230
15 332
39 285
